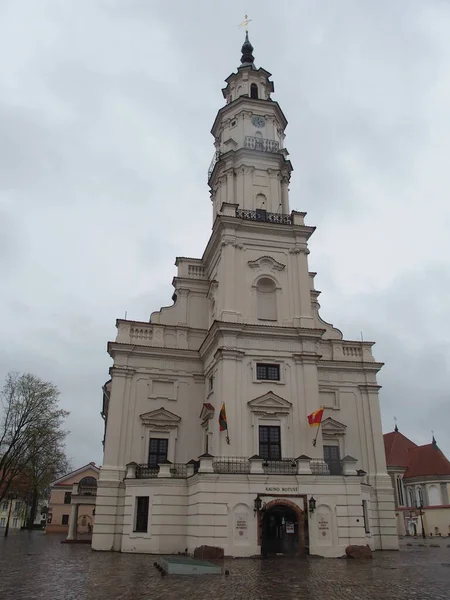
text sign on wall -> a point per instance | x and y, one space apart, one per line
323 526
241 526
282 489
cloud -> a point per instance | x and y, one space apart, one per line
105 117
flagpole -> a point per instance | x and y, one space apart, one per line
317 434
315 439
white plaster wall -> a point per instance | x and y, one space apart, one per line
202 510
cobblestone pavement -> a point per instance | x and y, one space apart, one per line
37 566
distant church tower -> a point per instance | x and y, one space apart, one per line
206 412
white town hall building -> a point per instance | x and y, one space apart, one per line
244 331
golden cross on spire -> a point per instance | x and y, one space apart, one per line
245 23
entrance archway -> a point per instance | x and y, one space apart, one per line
282 529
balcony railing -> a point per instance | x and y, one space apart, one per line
261 144
231 464
263 216
177 471
237 465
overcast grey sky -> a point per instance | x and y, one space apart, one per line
105 113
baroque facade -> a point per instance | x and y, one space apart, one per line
244 332
421 480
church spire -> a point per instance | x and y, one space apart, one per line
247 58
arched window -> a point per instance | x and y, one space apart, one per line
412 500
87 486
400 491
419 495
260 202
434 495
254 91
266 292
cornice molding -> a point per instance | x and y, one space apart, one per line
230 353
156 351
160 418
266 262
119 371
369 387
351 365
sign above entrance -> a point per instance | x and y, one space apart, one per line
282 489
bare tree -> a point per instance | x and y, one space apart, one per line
31 424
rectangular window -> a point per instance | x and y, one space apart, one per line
67 497
15 523
157 452
366 516
141 513
5 506
2 522
17 505
270 372
269 442
65 520
332 457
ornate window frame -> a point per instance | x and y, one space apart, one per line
163 424
272 410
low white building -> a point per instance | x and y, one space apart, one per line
244 331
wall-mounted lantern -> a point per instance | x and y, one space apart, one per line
312 505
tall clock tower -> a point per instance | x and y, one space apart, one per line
244 333
250 167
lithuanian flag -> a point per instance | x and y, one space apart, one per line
315 418
223 425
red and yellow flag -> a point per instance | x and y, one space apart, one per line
223 425
315 418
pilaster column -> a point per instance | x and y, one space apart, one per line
72 535
285 194
249 199
307 380
228 274
275 192
230 186
374 434
229 361
117 415
302 294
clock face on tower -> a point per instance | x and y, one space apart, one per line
258 121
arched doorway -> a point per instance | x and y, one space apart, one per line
282 529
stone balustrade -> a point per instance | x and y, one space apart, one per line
303 465
162 336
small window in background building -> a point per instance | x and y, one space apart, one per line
67 497
141 513
15 522
270 372
65 520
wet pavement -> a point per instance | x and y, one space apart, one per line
37 566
